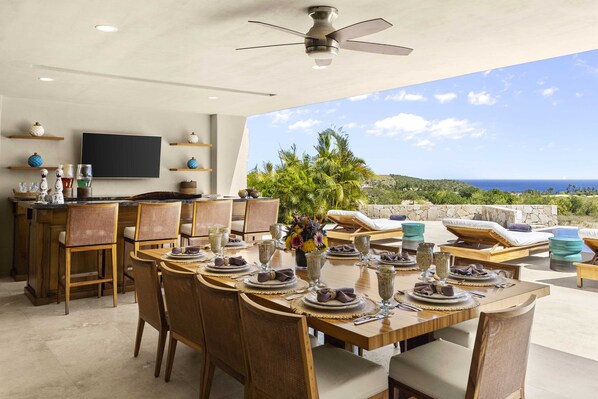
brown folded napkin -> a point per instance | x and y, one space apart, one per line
343 295
475 269
234 240
219 262
342 248
191 250
392 257
236 261
176 250
431 289
280 275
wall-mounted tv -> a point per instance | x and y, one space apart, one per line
121 155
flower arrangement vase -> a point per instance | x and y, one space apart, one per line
300 259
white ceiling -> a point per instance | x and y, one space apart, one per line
166 50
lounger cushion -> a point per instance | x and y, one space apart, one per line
588 233
372 224
237 225
514 238
186 229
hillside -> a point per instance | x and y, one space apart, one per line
400 182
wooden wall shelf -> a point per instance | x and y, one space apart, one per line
32 168
192 144
190 170
30 137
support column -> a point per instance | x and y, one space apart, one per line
230 151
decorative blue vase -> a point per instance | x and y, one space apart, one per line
35 161
192 163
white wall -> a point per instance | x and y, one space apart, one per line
229 135
70 120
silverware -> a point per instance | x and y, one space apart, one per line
478 294
242 276
412 307
363 320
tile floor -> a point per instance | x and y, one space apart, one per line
88 354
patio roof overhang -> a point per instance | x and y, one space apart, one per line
174 55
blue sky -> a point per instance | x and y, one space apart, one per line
531 121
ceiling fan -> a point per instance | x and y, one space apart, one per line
322 42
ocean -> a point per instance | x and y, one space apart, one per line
518 186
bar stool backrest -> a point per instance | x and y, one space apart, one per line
210 213
260 214
500 353
149 292
182 302
278 353
93 224
222 327
157 221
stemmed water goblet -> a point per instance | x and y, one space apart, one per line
315 262
277 232
386 287
362 244
266 250
215 242
225 232
442 260
424 258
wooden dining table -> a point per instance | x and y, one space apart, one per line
401 325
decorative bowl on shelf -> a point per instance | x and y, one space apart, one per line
35 161
192 163
37 130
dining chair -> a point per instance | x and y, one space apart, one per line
222 329
260 214
495 368
88 228
282 364
206 214
157 224
184 314
150 304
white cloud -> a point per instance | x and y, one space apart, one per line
406 125
304 124
549 91
455 129
360 97
284 115
350 125
584 64
425 144
578 94
481 98
404 96
486 73
443 98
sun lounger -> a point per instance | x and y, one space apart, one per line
590 238
350 224
484 240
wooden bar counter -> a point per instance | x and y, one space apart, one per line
37 227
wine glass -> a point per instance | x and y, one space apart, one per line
315 262
215 242
277 231
362 244
266 249
424 257
225 232
386 287
442 260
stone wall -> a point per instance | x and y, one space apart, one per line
536 215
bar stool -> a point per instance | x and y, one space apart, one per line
206 214
88 228
260 214
157 224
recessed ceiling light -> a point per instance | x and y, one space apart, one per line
107 28
44 79
319 67
212 98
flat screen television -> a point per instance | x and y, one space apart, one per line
121 156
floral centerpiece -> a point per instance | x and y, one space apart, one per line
305 234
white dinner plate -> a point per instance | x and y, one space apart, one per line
227 269
398 262
342 254
457 276
235 244
327 306
187 256
312 298
444 300
253 282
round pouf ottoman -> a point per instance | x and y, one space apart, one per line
563 252
413 234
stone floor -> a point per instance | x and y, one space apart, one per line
88 354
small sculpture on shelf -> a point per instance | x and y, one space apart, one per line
192 163
35 161
192 138
58 197
243 193
36 130
43 188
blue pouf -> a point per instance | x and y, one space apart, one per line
35 161
192 163
563 252
413 234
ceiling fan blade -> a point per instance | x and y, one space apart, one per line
359 29
280 28
269 45
323 62
377 48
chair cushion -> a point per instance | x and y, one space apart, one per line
372 224
439 369
129 232
313 341
461 334
588 233
186 229
515 238
340 374
62 237
237 225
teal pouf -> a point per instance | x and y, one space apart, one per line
413 234
563 252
